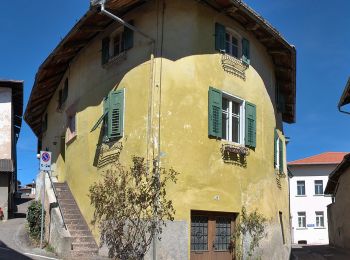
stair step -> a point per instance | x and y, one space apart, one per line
69 206
81 227
78 221
85 246
70 210
83 239
77 233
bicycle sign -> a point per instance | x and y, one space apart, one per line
45 161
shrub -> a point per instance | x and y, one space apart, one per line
34 219
131 207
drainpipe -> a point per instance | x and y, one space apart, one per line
101 3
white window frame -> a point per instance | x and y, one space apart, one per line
322 192
278 153
119 32
302 216
304 188
319 216
241 102
234 34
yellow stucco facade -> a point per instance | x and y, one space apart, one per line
166 103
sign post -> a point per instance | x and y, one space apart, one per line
45 166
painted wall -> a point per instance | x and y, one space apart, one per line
339 214
5 123
189 66
310 203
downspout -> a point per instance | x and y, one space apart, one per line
151 88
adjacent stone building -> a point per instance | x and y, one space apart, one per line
205 89
11 107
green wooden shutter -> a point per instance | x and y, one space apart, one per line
215 113
220 32
281 155
245 51
116 114
105 50
128 37
275 148
250 124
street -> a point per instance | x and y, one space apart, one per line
318 252
13 237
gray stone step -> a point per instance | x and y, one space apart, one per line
83 239
83 244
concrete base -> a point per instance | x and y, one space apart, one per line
55 233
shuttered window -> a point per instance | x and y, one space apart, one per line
226 40
245 51
117 43
113 116
105 50
250 113
279 147
215 116
220 32
231 119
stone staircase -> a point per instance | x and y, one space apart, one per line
83 243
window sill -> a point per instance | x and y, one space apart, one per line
300 196
301 228
115 60
318 195
319 228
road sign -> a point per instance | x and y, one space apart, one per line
45 161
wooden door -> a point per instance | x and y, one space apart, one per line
211 235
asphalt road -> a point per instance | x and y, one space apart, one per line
319 252
13 237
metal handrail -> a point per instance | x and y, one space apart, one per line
59 206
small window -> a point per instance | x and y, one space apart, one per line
116 44
71 127
226 40
223 234
231 44
318 187
232 123
319 219
302 219
63 94
199 233
44 123
300 188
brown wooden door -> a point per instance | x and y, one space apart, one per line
211 235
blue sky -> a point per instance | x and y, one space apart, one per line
30 30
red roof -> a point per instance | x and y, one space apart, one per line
323 158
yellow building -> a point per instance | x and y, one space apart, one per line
204 88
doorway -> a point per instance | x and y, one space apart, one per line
211 234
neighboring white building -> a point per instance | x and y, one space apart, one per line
308 204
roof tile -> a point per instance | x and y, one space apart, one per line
323 158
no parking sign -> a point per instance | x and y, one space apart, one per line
45 161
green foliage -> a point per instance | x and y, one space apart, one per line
131 207
34 219
251 229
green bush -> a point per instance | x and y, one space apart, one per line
34 219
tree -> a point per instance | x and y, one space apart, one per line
131 207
